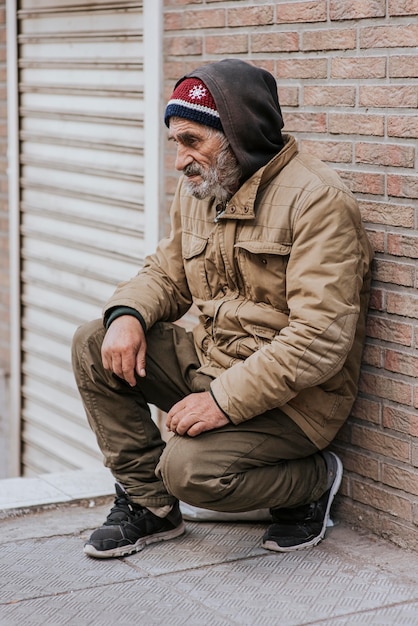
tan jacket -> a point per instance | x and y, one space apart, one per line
281 280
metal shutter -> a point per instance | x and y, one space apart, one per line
82 190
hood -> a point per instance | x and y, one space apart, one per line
248 106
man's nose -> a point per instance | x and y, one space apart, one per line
183 158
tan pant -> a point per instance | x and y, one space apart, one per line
264 462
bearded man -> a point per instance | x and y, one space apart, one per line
268 244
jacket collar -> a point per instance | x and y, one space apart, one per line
241 205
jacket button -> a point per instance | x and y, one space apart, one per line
246 209
232 209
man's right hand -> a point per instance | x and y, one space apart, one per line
124 349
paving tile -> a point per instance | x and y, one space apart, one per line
44 567
290 590
146 601
203 544
216 574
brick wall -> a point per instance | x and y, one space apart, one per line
348 83
4 222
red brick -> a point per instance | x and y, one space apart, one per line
403 125
332 151
289 96
402 304
266 64
396 96
377 299
403 245
175 3
376 441
329 96
226 44
403 66
395 273
403 7
250 16
172 72
402 186
389 36
373 355
382 499
183 45
361 464
400 420
305 122
377 239
329 39
389 330
364 182
173 21
207 18
274 42
401 363
367 410
356 9
401 478
301 68
387 213
356 124
384 387
368 67
385 154
311 11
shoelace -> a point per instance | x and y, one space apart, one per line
121 509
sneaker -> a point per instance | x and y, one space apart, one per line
304 526
130 527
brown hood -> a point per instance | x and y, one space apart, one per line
248 106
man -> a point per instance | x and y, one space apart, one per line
268 245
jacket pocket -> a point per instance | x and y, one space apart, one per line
194 262
262 266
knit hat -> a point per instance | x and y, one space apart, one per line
192 100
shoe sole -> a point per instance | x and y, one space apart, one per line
272 545
90 550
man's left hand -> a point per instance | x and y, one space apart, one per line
195 414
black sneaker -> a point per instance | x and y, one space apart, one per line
130 527
304 526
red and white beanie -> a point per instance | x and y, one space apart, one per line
192 100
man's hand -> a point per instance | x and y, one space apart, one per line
195 414
124 348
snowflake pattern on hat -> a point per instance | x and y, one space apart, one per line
197 91
192 100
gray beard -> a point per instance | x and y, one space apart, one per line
207 188
219 181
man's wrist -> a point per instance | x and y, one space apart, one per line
118 311
217 404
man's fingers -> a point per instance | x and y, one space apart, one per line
140 365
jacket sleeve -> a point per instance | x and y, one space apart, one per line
323 283
159 291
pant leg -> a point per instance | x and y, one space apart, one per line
265 462
119 414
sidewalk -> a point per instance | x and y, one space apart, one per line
215 575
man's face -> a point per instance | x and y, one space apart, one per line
198 149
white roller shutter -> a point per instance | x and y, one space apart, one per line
82 192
